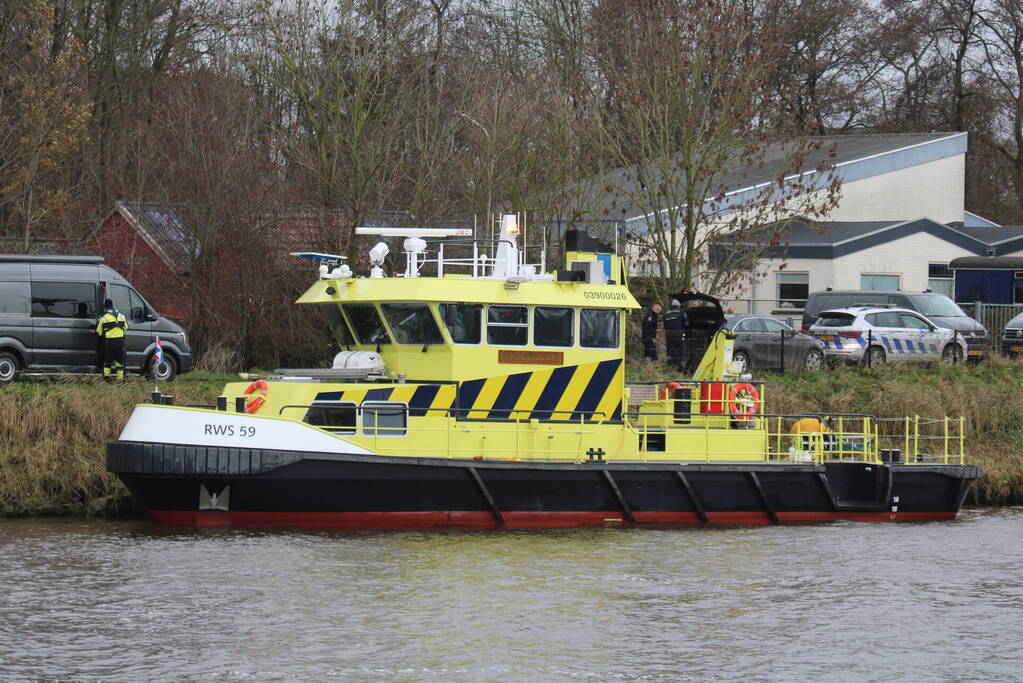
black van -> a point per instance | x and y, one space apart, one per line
48 311
937 308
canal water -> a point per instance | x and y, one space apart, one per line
844 602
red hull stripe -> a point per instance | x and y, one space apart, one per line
516 519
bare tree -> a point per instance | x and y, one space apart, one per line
692 83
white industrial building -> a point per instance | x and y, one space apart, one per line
899 222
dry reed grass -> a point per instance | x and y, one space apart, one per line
53 436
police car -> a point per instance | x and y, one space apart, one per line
885 334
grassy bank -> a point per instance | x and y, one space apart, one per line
53 433
53 436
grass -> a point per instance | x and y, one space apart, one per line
55 431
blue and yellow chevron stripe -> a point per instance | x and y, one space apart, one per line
591 392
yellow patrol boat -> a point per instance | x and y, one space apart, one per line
478 389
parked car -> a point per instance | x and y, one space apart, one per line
48 311
766 343
937 308
1012 337
886 335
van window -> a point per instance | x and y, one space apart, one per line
507 325
412 323
64 300
367 324
937 304
333 416
553 326
462 321
598 328
15 298
384 419
128 302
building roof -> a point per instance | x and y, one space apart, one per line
815 240
165 229
855 157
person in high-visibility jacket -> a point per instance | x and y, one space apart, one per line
111 328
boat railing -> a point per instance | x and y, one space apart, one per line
480 260
807 437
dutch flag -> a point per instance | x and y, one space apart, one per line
158 353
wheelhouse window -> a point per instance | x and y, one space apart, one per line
462 321
369 329
412 323
334 416
64 300
342 333
507 325
793 290
598 328
384 419
553 326
939 279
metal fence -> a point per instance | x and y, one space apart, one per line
994 317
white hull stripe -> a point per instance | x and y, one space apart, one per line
161 424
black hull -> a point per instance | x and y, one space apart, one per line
198 485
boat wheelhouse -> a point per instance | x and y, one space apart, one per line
477 388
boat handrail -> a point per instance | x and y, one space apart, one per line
583 414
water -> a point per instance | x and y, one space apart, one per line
842 602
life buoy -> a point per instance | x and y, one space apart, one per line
743 400
253 402
669 389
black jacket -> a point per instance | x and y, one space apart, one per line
649 324
675 320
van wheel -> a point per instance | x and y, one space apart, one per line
875 355
952 355
165 371
9 367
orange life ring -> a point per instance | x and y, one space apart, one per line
669 389
253 402
742 401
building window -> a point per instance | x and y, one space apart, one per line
1017 288
553 326
939 279
462 321
507 325
598 328
384 419
793 289
873 281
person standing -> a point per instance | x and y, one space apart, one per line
651 319
111 328
675 325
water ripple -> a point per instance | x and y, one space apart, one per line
841 602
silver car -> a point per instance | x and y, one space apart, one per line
885 335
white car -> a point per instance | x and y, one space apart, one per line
878 334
